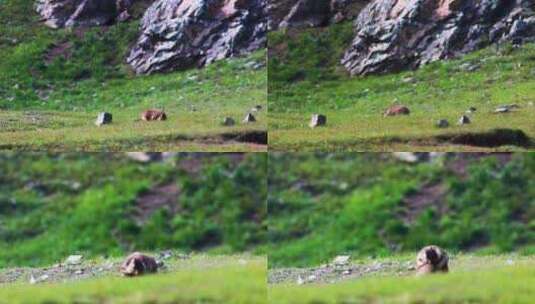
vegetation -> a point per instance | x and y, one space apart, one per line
324 205
54 82
305 77
52 206
474 280
201 280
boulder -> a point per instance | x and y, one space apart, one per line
177 34
72 13
464 120
396 110
74 260
341 260
138 264
317 120
393 35
228 122
442 123
249 118
103 118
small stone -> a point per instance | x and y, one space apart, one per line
103 118
228 121
471 110
249 118
42 278
256 108
318 120
74 260
442 123
464 120
500 110
300 281
341 260
311 278
509 262
346 272
79 272
124 16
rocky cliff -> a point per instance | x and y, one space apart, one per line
312 13
178 34
70 13
392 35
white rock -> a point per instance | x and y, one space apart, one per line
341 260
74 260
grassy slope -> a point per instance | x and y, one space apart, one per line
471 280
233 279
52 206
93 77
321 206
306 77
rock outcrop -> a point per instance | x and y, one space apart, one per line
179 34
393 35
312 13
71 13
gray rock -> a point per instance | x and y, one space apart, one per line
442 123
464 120
228 121
249 118
73 13
103 118
74 260
501 110
317 120
177 34
341 260
394 35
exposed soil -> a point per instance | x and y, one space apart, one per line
164 196
62 50
490 139
459 164
428 195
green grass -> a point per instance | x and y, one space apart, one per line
306 77
231 279
323 205
52 206
471 280
91 76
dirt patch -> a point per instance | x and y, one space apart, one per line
164 196
490 139
460 163
252 137
428 195
61 50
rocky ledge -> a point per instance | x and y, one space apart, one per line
393 35
71 13
179 34
312 13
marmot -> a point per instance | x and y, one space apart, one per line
138 264
431 259
396 110
151 115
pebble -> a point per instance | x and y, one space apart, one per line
317 120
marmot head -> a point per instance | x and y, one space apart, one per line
138 264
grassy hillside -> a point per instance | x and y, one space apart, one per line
225 279
306 77
54 82
324 205
52 206
471 280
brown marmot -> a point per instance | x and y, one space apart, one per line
431 259
152 115
138 264
397 110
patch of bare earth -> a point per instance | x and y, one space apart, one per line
61 50
164 196
428 195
